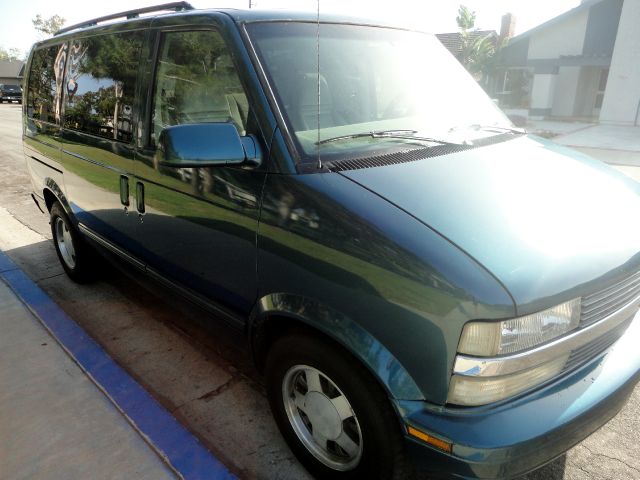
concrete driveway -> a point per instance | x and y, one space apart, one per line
196 369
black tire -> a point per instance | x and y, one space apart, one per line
79 262
382 452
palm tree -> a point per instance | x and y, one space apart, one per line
477 51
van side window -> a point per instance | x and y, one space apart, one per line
45 83
196 82
100 85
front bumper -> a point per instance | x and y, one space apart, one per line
520 435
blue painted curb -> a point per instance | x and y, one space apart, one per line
180 449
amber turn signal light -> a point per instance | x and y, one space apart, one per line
430 439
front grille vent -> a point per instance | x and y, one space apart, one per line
597 307
593 349
601 304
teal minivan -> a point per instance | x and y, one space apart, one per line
425 287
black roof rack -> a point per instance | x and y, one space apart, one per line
175 6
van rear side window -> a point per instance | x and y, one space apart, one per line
100 85
45 84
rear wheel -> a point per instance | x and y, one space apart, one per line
76 257
334 416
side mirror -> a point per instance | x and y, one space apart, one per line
206 145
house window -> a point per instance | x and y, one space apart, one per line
515 87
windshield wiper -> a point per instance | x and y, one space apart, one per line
401 134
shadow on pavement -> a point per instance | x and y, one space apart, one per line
120 291
552 471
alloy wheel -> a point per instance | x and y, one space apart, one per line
322 417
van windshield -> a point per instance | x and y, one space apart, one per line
381 89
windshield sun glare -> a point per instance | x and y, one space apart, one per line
370 79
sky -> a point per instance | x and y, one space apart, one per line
437 16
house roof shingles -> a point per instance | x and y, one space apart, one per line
11 68
453 41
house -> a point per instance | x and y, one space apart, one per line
11 72
584 63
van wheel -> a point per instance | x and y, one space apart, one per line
335 418
75 255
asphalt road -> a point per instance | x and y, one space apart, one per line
200 374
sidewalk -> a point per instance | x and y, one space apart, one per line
613 144
54 422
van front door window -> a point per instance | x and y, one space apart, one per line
196 82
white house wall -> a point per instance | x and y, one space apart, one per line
622 96
542 92
566 37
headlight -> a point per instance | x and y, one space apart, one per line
496 359
482 390
487 339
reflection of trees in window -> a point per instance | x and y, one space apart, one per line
100 85
45 83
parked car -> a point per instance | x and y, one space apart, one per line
10 93
424 286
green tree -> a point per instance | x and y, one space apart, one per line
477 51
13 54
466 19
48 26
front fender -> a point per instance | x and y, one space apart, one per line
342 329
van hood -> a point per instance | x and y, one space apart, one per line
548 222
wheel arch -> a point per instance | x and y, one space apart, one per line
277 314
53 193
49 198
